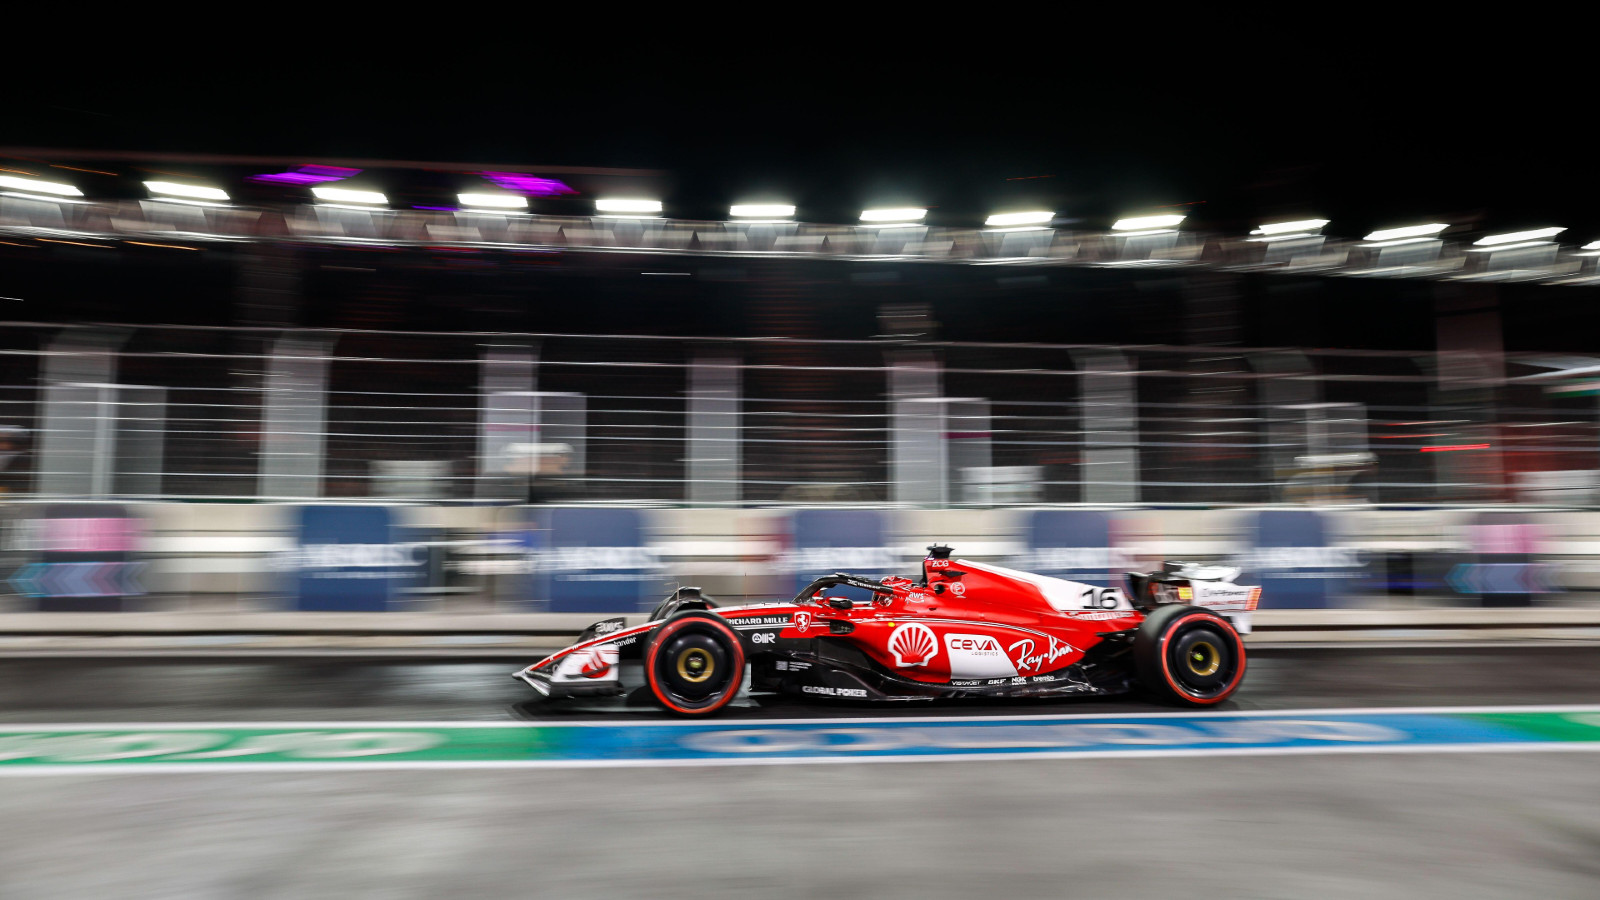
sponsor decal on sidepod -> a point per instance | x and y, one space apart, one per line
1027 659
977 656
858 693
912 645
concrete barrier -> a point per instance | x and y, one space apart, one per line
201 557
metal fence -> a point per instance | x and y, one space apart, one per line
173 412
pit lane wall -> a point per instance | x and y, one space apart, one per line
110 557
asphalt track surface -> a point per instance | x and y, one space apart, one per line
231 689
1497 824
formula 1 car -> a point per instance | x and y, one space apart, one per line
965 630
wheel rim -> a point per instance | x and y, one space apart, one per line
695 668
695 665
1203 662
1203 658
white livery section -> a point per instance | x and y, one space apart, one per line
977 656
1061 594
592 664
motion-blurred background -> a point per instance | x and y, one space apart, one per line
466 341
353 359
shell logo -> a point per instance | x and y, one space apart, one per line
912 645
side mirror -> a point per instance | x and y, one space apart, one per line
841 603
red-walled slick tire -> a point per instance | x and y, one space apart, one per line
1188 655
695 663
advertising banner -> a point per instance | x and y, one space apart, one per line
1293 561
79 557
591 560
352 559
824 541
1504 569
1074 544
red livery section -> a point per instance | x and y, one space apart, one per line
964 630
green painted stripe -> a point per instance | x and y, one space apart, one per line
1562 727
267 745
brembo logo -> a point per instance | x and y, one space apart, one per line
912 645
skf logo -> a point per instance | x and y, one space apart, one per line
912 645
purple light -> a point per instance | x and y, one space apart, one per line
308 175
439 208
531 185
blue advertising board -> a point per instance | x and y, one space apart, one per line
824 541
1293 561
591 560
351 559
1074 544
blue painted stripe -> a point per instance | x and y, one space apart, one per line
1052 735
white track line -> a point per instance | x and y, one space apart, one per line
90 769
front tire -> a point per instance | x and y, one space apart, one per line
695 664
1189 656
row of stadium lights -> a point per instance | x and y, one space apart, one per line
776 213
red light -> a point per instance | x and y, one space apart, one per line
1455 447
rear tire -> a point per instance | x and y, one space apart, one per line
1188 655
695 663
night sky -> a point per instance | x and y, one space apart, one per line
1364 117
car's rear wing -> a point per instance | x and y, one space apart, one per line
1209 586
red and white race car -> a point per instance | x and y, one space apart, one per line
965 630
